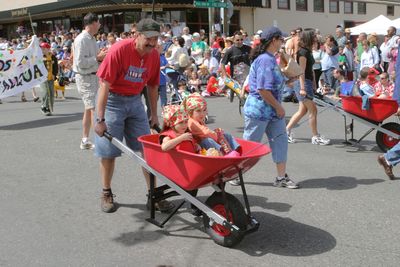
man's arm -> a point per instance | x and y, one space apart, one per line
152 92
102 97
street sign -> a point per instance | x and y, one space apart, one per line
210 3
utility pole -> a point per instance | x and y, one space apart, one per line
225 21
153 16
210 23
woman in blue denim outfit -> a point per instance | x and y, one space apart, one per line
263 112
304 89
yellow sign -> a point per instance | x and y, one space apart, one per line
19 12
150 9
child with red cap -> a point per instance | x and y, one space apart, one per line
175 130
47 87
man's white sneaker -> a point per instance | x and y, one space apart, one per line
86 145
320 140
290 138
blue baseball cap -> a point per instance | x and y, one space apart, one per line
270 32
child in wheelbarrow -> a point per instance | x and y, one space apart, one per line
175 135
175 130
196 106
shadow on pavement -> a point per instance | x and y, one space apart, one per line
179 226
46 121
286 237
337 183
277 235
330 183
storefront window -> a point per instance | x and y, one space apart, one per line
61 25
45 26
132 17
198 19
178 15
107 23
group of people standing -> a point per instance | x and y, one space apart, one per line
110 84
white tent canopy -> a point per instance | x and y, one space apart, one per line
379 25
396 23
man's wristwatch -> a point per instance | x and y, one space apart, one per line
98 120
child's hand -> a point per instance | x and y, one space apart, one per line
186 137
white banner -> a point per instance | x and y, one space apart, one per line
21 70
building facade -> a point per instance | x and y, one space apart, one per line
321 14
252 15
115 15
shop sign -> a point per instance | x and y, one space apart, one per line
150 9
19 12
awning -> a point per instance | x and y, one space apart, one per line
68 5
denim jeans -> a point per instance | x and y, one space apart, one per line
328 77
162 91
125 118
275 130
393 155
209 142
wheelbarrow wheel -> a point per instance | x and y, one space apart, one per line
236 215
384 141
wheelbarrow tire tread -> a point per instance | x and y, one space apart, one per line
381 138
239 218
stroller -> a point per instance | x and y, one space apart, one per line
174 79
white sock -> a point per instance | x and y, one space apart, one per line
84 139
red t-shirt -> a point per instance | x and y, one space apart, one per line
127 71
188 146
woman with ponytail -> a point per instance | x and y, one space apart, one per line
263 111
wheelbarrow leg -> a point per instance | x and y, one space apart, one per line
346 142
253 224
365 135
151 197
352 131
245 198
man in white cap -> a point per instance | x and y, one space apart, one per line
129 66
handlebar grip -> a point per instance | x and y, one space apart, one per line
108 135
156 127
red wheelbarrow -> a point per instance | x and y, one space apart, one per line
224 217
379 110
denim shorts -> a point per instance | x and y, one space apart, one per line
125 118
308 84
276 132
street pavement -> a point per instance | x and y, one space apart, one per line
346 212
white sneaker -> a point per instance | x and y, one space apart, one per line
86 145
320 140
290 138
285 182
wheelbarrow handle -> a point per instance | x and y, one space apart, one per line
108 136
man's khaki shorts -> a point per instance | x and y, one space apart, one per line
87 87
